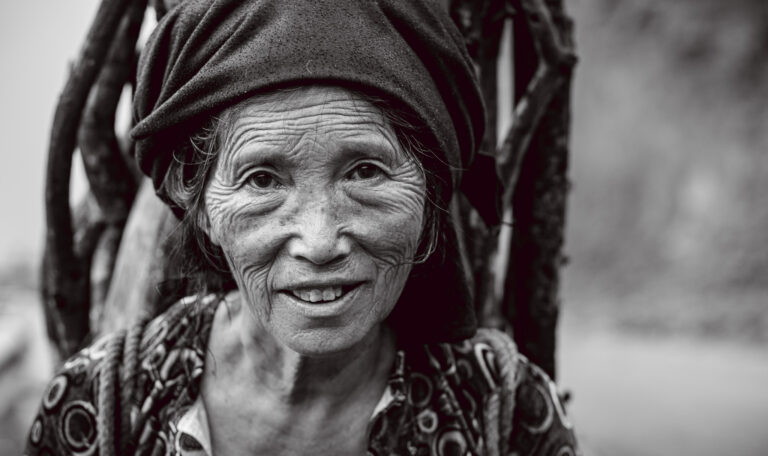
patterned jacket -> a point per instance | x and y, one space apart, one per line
136 392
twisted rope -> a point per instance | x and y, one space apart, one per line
107 418
502 403
128 384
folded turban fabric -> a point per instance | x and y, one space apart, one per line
206 55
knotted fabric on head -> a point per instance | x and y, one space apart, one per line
206 55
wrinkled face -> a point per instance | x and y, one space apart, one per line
318 211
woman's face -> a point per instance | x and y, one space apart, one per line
318 211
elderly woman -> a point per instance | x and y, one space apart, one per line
311 149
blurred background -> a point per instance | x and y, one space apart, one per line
663 338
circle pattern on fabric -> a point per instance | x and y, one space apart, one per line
536 414
36 433
77 428
162 443
419 390
451 442
55 392
427 421
188 443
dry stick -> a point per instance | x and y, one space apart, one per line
109 177
90 228
65 286
531 301
89 232
555 64
528 113
492 27
111 181
482 24
468 16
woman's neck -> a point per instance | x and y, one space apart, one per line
303 381
263 398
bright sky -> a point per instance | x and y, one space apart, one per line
37 40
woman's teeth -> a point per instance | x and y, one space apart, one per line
318 294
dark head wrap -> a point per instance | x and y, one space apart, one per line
206 55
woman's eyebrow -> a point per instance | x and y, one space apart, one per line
378 149
255 155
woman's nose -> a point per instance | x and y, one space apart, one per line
317 236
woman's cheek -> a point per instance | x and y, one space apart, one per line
249 240
233 211
389 222
251 258
253 280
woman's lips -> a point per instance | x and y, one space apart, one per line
320 294
317 294
312 301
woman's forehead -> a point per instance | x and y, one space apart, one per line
316 116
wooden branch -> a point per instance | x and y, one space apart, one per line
482 24
556 62
531 301
65 283
552 47
90 226
492 28
111 181
492 17
525 308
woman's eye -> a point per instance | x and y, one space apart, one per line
365 171
263 180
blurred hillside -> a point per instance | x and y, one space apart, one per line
668 221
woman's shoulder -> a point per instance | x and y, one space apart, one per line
151 352
67 418
187 322
530 414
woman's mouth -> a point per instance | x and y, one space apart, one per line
317 294
320 294
322 301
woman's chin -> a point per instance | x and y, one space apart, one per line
326 341
320 342
323 328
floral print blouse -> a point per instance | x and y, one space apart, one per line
138 393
